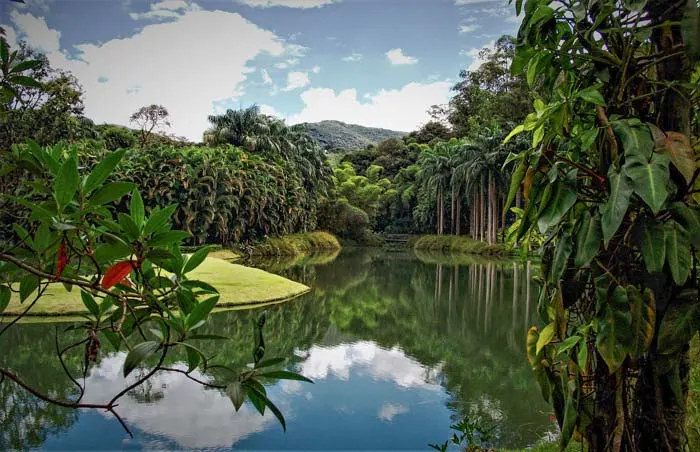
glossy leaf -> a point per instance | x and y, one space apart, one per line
90 303
545 337
285 375
515 182
196 259
591 95
168 238
201 311
5 296
562 252
677 252
269 404
689 218
193 359
139 353
66 183
562 199
570 415
643 311
129 226
110 192
637 142
532 338
681 153
27 286
614 329
650 179
615 208
588 239
102 171
235 392
136 209
679 325
116 274
159 219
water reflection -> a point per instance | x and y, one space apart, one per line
398 346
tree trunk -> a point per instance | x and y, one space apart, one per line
482 208
503 220
452 210
458 215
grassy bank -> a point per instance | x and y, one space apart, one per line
237 284
295 244
458 244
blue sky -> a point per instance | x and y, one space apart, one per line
377 63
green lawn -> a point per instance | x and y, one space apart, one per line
238 285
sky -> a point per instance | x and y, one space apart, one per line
377 63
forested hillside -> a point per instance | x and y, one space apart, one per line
337 136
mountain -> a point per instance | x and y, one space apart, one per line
336 136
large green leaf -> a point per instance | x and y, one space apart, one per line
614 329
196 259
102 171
615 207
66 183
650 179
138 354
5 295
235 392
110 192
136 208
560 259
650 236
562 199
201 311
545 337
159 219
636 139
570 415
688 217
27 286
679 325
588 239
515 182
677 251
643 310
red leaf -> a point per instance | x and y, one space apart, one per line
61 258
116 274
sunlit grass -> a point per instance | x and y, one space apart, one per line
457 244
296 244
237 284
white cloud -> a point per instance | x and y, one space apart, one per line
216 425
303 4
266 77
387 108
316 69
165 9
367 357
396 56
35 31
287 63
388 411
353 57
477 61
149 66
468 28
514 19
296 80
269 110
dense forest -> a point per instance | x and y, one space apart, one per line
254 176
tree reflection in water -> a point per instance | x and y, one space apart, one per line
461 321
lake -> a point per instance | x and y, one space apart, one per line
399 346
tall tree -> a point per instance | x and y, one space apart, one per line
148 119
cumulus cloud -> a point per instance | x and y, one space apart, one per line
367 357
468 28
400 109
216 425
388 411
35 32
164 10
316 69
296 80
267 80
287 63
353 57
477 61
303 4
150 67
396 56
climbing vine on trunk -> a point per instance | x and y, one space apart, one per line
611 180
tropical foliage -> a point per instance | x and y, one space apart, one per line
611 181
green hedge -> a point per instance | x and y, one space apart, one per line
458 244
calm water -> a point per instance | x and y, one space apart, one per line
399 347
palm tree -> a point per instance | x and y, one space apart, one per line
435 174
247 129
